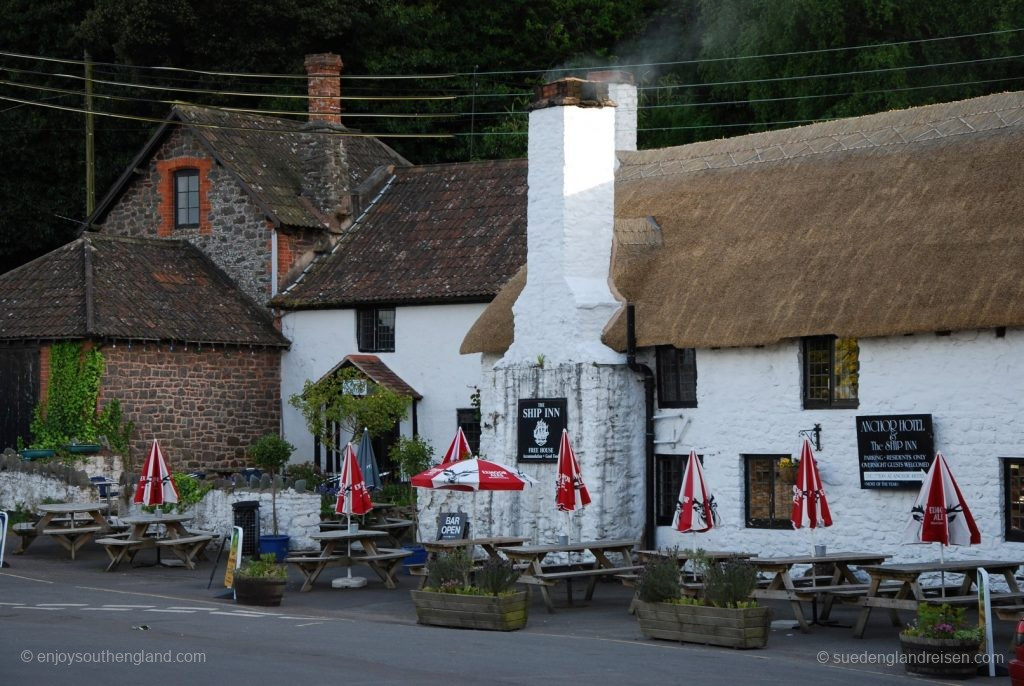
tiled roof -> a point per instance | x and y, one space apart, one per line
449 232
103 286
378 372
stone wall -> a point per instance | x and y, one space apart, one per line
605 424
233 232
26 485
203 405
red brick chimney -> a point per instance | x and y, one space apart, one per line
324 71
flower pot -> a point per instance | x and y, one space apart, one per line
259 591
83 448
733 628
494 613
278 545
941 657
39 454
787 474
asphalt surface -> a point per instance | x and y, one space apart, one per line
64 621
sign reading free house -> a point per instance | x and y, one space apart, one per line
541 421
895 450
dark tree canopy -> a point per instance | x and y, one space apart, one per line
692 87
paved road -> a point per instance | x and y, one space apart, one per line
51 607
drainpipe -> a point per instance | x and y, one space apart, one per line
273 262
631 362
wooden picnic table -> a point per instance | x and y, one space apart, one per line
898 587
782 586
535 574
383 561
185 545
61 522
491 545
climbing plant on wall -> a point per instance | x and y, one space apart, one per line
68 414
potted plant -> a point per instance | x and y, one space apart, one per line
271 453
260 581
448 598
724 614
941 643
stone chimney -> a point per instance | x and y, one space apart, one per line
324 72
622 90
567 301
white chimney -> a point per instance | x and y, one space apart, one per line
622 91
567 302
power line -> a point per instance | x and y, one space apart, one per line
154 120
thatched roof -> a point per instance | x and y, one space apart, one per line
901 222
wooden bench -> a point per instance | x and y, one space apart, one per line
971 598
385 563
121 547
396 529
72 539
592 574
310 565
27 533
1010 613
186 547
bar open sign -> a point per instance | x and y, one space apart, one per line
452 526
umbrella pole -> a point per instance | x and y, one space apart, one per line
942 572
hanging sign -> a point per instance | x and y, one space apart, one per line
895 451
541 421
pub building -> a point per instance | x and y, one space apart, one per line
859 282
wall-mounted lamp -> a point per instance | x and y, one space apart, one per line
814 435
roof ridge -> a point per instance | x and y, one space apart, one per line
790 148
139 240
450 165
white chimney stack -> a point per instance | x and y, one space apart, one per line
622 91
567 301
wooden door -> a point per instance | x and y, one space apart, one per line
19 392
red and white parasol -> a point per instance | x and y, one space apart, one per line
353 499
570 491
458 450
696 510
810 508
940 514
155 486
474 474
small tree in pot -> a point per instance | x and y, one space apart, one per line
271 453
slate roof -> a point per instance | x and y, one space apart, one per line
436 233
901 222
101 286
262 152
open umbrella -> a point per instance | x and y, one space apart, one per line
696 510
368 462
155 486
570 491
458 450
940 513
473 474
810 508
353 499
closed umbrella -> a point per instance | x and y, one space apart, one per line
810 507
696 510
570 491
458 450
940 513
156 486
368 462
353 499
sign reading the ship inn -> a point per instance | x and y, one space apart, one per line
541 421
895 450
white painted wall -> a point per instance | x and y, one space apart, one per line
427 340
749 401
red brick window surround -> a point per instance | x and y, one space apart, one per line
169 178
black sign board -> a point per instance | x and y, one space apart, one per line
895 450
541 421
452 526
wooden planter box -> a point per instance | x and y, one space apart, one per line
501 613
940 657
263 592
744 628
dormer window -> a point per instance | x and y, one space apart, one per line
186 198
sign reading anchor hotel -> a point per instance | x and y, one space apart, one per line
541 421
895 450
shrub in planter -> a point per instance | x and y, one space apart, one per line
448 599
261 581
725 615
271 453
